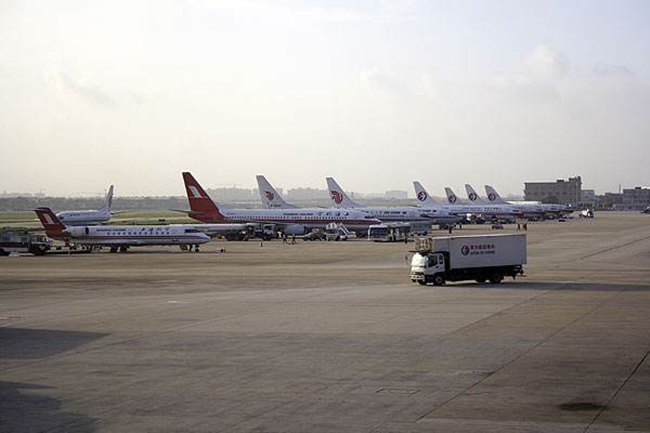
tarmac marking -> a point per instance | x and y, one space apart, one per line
524 352
614 248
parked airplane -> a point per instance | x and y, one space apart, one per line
433 214
291 221
487 211
529 210
423 196
120 237
271 199
89 217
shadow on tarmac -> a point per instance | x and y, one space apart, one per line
31 411
24 407
23 343
557 285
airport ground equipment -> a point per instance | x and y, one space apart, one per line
389 232
23 241
456 258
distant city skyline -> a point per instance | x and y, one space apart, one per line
375 93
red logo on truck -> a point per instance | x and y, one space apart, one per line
464 250
336 196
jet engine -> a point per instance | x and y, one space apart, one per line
295 230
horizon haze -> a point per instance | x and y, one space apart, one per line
374 93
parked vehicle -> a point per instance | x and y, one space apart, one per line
23 241
389 232
457 258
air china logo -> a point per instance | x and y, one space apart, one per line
336 196
492 196
195 192
452 199
422 195
464 250
269 195
473 196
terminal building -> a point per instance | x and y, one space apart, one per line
561 191
637 198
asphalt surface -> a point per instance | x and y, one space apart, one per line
330 337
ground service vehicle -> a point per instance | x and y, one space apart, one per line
457 258
23 241
389 232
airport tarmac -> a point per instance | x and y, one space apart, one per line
330 337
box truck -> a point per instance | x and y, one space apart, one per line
457 258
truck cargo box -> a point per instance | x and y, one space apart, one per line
479 251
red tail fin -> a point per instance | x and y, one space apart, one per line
52 224
201 205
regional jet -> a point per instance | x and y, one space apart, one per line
89 217
121 237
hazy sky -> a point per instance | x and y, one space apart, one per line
375 93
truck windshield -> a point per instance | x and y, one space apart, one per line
418 261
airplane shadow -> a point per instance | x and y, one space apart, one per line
24 343
31 411
26 407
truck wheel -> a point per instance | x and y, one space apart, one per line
480 280
438 280
422 282
496 278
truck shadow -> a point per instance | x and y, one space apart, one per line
558 285
25 408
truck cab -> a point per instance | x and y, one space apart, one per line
428 267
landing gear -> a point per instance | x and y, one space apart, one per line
124 249
114 249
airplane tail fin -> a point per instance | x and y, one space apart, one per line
271 199
423 196
108 202
201 205
493 196
338 197
51 223
473 196
452 198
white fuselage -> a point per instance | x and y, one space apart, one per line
136 235
308 217
487 210
435 215
84 217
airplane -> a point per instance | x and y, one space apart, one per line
423 196
432 214
488 211
271 199
291 221
529 210
120 237
89 217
